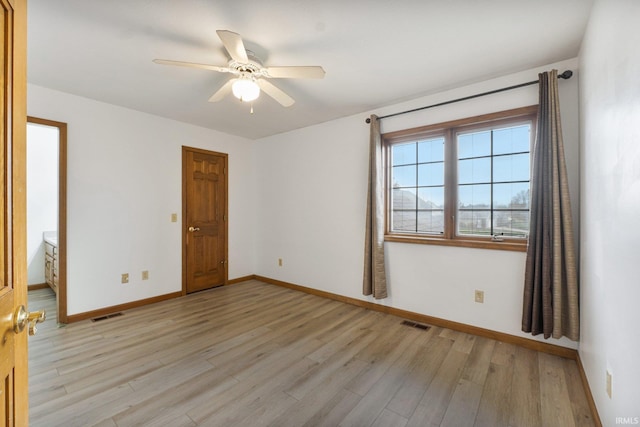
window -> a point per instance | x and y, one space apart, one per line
462 183
417 176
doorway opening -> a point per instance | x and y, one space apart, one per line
47 209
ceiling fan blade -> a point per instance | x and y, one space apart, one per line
277 94
193 65
234 45
222 92
304 72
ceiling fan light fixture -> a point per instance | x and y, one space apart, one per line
245 89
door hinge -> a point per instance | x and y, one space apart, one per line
224 171
224 217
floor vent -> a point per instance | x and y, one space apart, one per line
108 316
416 325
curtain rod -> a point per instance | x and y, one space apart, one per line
566 75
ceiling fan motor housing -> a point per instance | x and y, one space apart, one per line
253 66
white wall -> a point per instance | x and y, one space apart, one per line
311 205
610 176
42 195
124 181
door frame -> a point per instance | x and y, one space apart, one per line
185 150
61 296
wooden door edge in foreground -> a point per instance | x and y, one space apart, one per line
13 230
204 219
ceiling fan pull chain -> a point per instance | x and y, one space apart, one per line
252 108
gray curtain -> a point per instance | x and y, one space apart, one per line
375 281
550 303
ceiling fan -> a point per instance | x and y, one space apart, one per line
250 75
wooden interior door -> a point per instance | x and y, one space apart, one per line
13 230
204 175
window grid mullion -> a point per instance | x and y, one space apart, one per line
492 155
491 192
416 187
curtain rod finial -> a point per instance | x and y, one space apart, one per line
368 120
566 75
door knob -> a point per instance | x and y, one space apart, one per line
192 229
22 318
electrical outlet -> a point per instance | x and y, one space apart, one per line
479 296
145 275
279 262
174 217
125 278
609 384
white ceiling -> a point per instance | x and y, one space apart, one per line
375 52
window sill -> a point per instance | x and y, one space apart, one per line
506 245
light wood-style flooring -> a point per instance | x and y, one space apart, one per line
255 354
